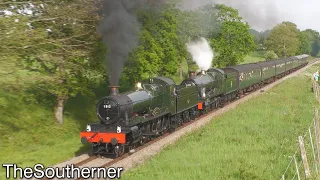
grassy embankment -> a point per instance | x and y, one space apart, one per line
29 133
253 141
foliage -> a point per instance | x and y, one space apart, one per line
305 46
58 45
160 50
284 40
193 66
234 41
201 22
259 38
313 39
270 55
165 32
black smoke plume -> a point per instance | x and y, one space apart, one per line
119 29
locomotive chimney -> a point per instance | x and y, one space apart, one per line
192 74
114 90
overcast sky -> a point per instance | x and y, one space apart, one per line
261 14
265 14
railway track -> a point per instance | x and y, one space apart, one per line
105 162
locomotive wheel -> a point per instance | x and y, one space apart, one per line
197 113
205 110
172 129
193 114
188 118
216 104
211 107
142 141
94 150
120 151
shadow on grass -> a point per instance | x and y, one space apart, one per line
82 110
84 149
12 126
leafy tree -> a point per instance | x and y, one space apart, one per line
160 51
256 34
259 37
313 38
284 39
191 25
59 47
270 55
305 46
234 41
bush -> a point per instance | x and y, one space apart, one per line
270 55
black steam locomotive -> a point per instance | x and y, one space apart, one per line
159 105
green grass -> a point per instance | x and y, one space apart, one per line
30 134
255 56
253 141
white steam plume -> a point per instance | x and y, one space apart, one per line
201 53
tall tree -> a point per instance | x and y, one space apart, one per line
313 38
234 41
259 37
284 39
305 46
160 51
59 47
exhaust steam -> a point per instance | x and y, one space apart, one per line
201 53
